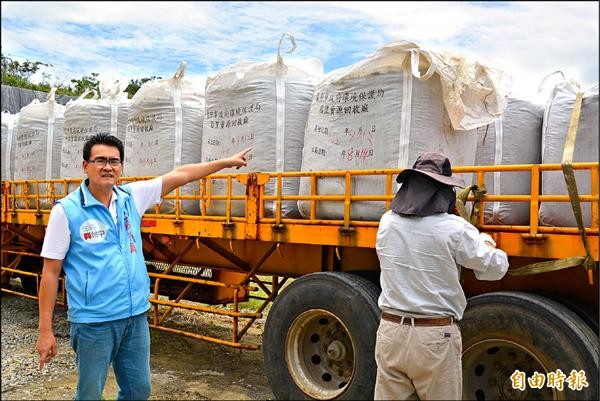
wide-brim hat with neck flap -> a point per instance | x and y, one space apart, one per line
435 165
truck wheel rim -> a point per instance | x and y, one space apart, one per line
320 354
488 366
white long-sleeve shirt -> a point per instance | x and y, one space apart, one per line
419 258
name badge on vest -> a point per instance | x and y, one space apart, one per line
93 231
132 247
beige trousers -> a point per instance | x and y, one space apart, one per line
417 362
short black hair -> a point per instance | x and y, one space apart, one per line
102 139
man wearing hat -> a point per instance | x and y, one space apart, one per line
421 245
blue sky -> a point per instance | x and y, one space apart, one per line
125 40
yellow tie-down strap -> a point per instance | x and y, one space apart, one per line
461 200
586 261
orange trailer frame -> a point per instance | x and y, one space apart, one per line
237 255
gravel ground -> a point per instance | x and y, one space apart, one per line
181 368
19 356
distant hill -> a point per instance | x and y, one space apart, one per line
14 99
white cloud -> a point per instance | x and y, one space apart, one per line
420 22
142 39
160 14
526 39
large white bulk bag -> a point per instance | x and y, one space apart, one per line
263 105
513 138
38 143
384 111
87 117
164 131
556 123
9 122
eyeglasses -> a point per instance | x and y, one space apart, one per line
101 162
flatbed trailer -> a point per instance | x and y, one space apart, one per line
319 336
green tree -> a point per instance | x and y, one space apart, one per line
85 82
136 84
19 74
21 70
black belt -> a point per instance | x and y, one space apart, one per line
418 321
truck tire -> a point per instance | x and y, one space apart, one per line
319 338
585 313
508 331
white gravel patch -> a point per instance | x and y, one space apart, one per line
19 335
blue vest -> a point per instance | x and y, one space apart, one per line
106 273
